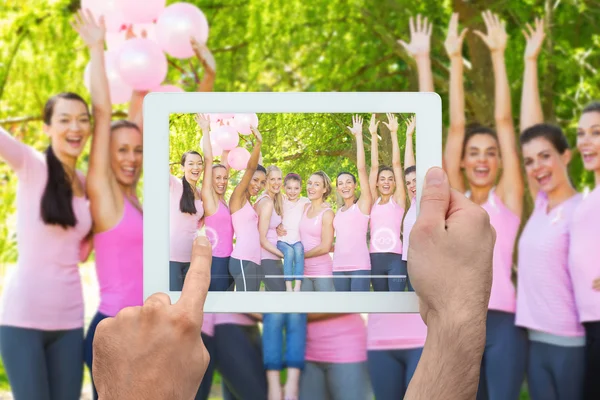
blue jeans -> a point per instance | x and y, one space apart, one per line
391 371
295 343
293 255
220 278
352 281
389 264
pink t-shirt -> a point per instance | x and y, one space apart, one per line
386 221
183 227
245 225
337 340
45 289
584 255
545 299
234 319
409 220
351 252
506 223
219 231
395 331
271 233
310 234
292 214
208 324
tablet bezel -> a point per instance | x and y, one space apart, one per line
157 109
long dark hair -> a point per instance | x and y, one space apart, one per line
57 199
187 203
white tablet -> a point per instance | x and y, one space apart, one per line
161 108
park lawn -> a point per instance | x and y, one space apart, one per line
4 386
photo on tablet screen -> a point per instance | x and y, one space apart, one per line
312 202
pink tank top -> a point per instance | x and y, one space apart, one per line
119 262
271 233
310 234
234 319
506 223
409 220
208 324
292 214
545 298
395 331
337 340
247 240
386 221
219 231
584 255
183 227
351 252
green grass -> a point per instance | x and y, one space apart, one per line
4 386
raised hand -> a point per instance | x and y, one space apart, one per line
373 124
454 41
205 56
496 37
92 32
410 125
256 133
535 38
203 121
420 37
392 123
356 127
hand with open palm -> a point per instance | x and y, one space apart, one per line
392 123
454 41
496 37
535 38
420 37
356 128
92 32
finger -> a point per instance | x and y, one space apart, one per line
486 20
430 29
529 29
435 201
452 26
197 279
463 33
404 44
525 34
481 35
412 27
90 17
418 22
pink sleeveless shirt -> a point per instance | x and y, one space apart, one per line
119 262
245 226
44 290
584 255
351 252
506 224
219 231
545 298
337 340
310 234
409 220
386 221
396 331
292 214
183 227
271 233
208 324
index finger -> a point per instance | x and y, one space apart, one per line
197 279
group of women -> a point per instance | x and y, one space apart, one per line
546 331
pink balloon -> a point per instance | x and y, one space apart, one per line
238 158
177 24
120 92
216 149
226 137
168 88
114 40
113 17
142 64
139 12
242 122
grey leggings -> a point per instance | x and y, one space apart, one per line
43 365
333 381
317 284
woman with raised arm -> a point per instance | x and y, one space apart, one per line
387 213
316 234
244 264
410 180
478 155
351 261
41 320
114 169
546 304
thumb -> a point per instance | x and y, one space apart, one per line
435 200
481 35
403 43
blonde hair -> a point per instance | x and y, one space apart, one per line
278 199
326 183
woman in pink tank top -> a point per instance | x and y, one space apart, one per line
474 154
115 166
316 234
42 302
584 251
351 261
217 219
186 212
387 264
244 264
546 305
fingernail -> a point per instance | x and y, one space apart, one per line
202 240
435 177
